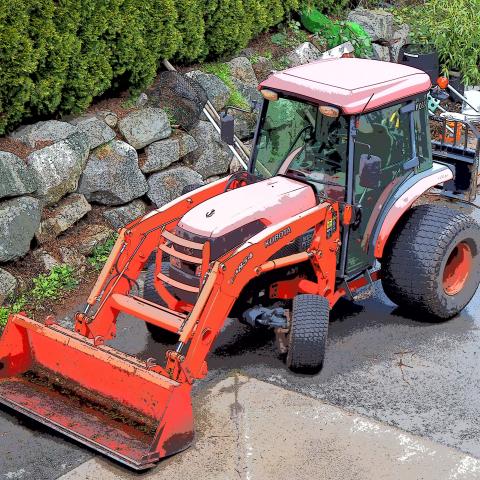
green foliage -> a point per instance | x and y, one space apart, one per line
100 253
191 26
452 26
330 7
171 116
361 42
49 286
330 33
19 62
254 59
236 99
16 307
4 313
267 54
290 35
415 18
299 35
227 26
222 71
279 38
53 284
57 56
281 63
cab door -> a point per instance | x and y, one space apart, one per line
385 154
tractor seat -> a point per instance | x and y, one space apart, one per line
380 143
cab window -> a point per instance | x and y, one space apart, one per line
384 134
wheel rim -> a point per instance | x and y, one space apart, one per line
457 269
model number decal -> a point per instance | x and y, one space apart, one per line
278 236
241 266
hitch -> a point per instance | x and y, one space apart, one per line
268 317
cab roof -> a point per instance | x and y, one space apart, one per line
354 85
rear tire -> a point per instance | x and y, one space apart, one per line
431 264
308 333
150 293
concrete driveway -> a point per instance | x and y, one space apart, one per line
421 378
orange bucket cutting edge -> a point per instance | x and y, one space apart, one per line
110 401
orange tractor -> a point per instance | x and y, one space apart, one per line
341 153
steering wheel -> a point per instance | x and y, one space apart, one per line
239 179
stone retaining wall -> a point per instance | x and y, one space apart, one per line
88 176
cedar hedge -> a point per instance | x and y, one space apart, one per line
58 55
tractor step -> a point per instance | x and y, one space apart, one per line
148 311
362 287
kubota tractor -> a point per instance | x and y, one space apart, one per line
341 153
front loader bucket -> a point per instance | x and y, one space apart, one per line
112 402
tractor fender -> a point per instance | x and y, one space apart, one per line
403 199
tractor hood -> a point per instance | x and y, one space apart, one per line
267 202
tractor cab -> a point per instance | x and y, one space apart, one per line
354 130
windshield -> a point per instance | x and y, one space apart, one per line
295 139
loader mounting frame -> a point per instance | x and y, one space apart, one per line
79 360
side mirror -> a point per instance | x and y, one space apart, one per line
227 128
369 170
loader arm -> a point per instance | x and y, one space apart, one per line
133 410
132 249
222 282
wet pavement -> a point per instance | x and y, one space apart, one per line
420 377
312 439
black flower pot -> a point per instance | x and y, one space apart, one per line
456 81
423 57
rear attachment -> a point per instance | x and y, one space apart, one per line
105 399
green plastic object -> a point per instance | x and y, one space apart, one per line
336 33
314 21
358 31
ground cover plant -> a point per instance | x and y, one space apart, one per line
54 285
101 252
46 286
222 71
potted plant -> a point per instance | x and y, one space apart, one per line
423 56
455 80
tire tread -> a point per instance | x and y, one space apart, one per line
414 255
309 329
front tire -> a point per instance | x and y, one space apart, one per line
308 333
431 264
